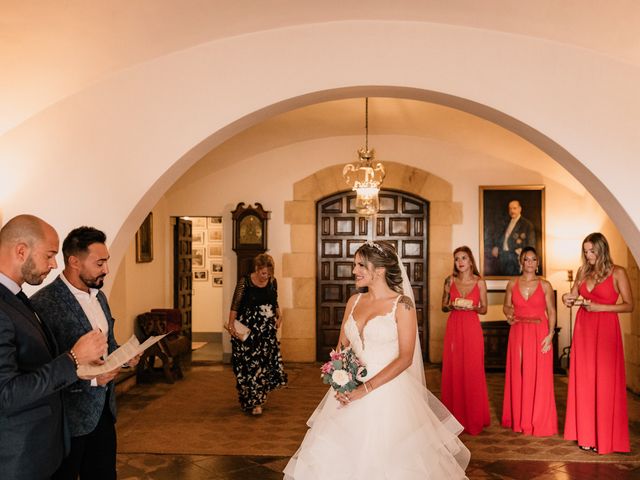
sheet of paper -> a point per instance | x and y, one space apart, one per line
118 358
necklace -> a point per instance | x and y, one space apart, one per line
527 288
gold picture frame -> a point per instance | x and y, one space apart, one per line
498 251
144 241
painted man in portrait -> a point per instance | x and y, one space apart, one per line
518 233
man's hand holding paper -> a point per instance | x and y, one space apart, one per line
122 355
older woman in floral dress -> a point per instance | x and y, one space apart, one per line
256 361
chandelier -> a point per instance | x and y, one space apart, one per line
365 178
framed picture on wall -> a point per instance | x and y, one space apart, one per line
215 250
200 275
197 237
198 257
199 222
214 234
511 218
214 221
144 241
217 280
216 267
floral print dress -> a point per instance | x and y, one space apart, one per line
256 362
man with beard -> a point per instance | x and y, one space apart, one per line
33 367
70 306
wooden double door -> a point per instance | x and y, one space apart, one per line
403 219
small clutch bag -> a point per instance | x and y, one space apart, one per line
242 330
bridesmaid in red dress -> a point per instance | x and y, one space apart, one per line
464 388
529 404
597 397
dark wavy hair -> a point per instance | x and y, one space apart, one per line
383 254
79 239
466 250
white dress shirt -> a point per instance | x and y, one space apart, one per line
92 309
10 284
512 225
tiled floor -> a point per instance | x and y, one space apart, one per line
138 466
200 467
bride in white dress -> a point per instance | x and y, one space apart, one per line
391 427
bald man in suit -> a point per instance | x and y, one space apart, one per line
33 371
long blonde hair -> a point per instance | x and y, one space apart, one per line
604 263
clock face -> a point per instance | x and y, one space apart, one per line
250 231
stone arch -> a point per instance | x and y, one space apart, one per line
299 265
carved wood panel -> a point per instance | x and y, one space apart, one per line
403 220
182 276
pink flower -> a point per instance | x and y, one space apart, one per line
327 367
335 355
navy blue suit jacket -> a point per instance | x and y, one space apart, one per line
32 375
61 312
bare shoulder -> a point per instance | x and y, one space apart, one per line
618 270
619 273
406 302
352 299
481 282
546 285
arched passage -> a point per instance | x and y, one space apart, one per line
142 128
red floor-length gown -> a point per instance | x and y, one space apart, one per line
597 398
529 404
464 387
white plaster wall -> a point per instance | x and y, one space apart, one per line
139 287
124 140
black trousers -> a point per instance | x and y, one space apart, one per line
92 456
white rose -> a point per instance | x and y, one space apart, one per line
340 377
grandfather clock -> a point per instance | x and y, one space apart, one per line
249 235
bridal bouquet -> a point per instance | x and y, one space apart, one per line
343 371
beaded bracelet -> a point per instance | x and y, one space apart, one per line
74 358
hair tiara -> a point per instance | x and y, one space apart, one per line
372 244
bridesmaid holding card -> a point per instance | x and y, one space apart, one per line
464 387
529 404
597 398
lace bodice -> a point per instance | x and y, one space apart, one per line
379 343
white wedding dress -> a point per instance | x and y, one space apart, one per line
399 431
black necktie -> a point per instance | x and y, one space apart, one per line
24 299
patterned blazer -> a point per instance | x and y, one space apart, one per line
32 375
59 309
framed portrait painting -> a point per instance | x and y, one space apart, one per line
511 218
144 241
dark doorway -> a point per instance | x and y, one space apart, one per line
403 219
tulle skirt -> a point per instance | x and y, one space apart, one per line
399 431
